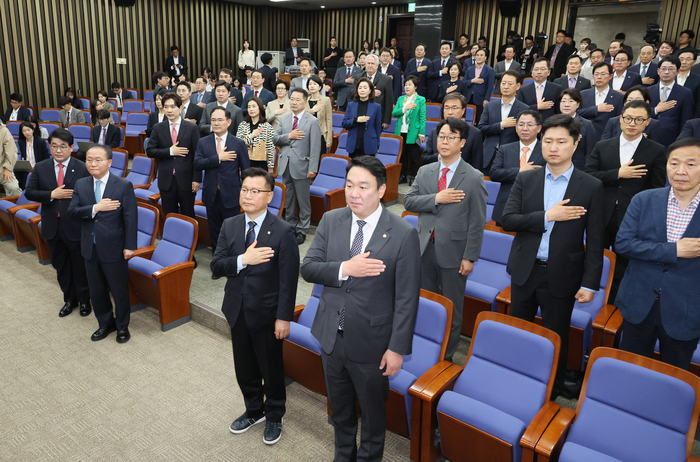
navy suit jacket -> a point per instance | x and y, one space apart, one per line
586 144
613 129
206 97
170 62
112 231
582 83
270 77
652 71
631 80
505 169
435 76
22 114
589 110
671 121
461 88
692 83
373 127
411 69
235 92
691 128
265 95
113 139
159 149
490 126
41 152
225 176
394 73
482 91
655 268
528 95
126 94
472 152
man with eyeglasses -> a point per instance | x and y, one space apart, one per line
513 158
258 255
541 94
623 79
450 199
626 164
647 69
672 103
222 157
600 103
688 79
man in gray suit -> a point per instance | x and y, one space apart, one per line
450 221
305 69
369 262
383 88
69 114
508 64
298 136
222 90
344 80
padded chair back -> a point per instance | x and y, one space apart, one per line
331 175
528 81
431 329
601 297
113 101
81 132
131 105
147 97
489 276
115 117
342 145
176 246
50 114
492 188
391 129
141 168
433 110
22 199
13 126
134 91
276 206
50 126
119 162
84 102
306 318
147 224
470 114
338 122
390 148
495 98
411 218
634 408
136 122
429 126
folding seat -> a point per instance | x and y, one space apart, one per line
143 192
340 148
328 187
161 276
142 170
410 217
148 219
13 126
134 91
338 122
131 105
87 115
470 114
429 126
391 129
136 123
24 229
119 164
84 102
390 149
433 111
116 117
10 205
81 132
147 98
50 114
492 188
50 126
276 206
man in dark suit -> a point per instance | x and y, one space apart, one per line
660 236
368 260
393 72
190 112
454 105
496 128
16 112
647 69
221 91
257 89
557 56
551 209
627 164
173 144
104 132
383 88
201 96
269 72
120 94
695 69
223 157
418 66
292 55
344 80
176 64
450 199
540 95
528 54
106 205
395 44
258 255
52 183
690 129
438 72
688 79
573 78
600 103
508 64
623 79
235 95
513 158
677 107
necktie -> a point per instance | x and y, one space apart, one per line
523 156
173 134
540 90
296 123
104 135
554 56
348 76
644 71
443 64
256 93
442 184
250 235
68 118
199 98
572 82
98 191
419 64
355 249
664 93
59 181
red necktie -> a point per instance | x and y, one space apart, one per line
296 123
442 65
256 93
442 184
60 180
173 137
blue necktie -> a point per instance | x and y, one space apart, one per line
98 198
355 250
250 235
199 100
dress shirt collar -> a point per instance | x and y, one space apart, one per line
633 143
693 205
604 92
104 180
670 87
452 167
371 220
505 105
544 85
258 222
567 174
622 77
530 146
65 163
299 117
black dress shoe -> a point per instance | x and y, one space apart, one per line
195 261
85 309
123 335
402 179
214 277
67 309
102 333
301 238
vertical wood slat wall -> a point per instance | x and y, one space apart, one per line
678 15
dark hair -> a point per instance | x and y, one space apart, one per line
356 97
93 111
541 60
316 79
257 172
483 37
69 90
620 36
641 89
34 120
635 104
158 75
689 142
29 125
248 68
561 31
569 35
372 165
204 79
226 70
533 113
308 60
246 41
174 47
61 134
597 50
456 126
219 108
261 110
575 57
102 93
222 83
103 114
421 44
104 148
572 93
282 81
587 40
349 50
691 34
173 96
294 38
363 44
184 84
266 58
257 71
379 41
116 85
482 49
687 50
236 82
16 97
563 121
159 92
304 93
515 74
206 69
415 80
384 50
671 59
530 37
454 63
465 36
605 65
455 95
670 43
63 100
509 46
446 43
626 53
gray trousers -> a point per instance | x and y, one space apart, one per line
12 186
297 192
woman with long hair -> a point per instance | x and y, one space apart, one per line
257 134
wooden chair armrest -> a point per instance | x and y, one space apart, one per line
142 186
17 208
10 198
603 316
336 199
430 375
199 202
612 328
444 381
551 441
539 424
503 301
693 459
173 269
144 252
297 312
153 199
35 220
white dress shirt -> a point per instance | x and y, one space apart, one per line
507 63
505 110
628 148
170 129
367 231
618 81
530 150
600 97
65 167
680 80
102 189
258 224
13 116
176 61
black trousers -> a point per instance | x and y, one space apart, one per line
259 365
176 200
259 163
641 339
556 314
410 158
216 214
105 278
479 109
346 382
69 265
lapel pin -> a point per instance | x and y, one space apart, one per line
268 232
384 236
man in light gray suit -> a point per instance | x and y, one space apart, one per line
508 64
368 260
305 69
222 90
298 136
344 80
450 221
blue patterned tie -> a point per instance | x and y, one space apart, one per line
250 235
355 250
98 198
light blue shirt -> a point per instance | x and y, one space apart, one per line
258 223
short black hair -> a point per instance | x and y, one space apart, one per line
261 110
28 125
103 114
636 104
483 37
304 93
691 34
226 70
160 91
283 82
173 96
446 43
16 97
561 31
541 60
597 50
222 83
349 50
174 47
689 142
533 113
421 44
256 172
63 135
63 100
516 74
671 59
509 46
530 37
575 57
316 79
116 85
456 126
308 60
626 53
258 71
385 50
670 43
104 148
605 65
620 36
371 164
564 121
455 95
413 79
184 84
646 94
219 108
692 51
159 75
569 35
266 58
102 93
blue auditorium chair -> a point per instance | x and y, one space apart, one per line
390 149
328 187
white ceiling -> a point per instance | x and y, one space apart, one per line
316 4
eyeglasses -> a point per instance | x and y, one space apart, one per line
686 60
450 138
452 108
254 192
56 147
623 60
95 161
601 74
637 120
528 125
667 69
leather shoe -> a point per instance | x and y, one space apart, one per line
195 262
102 333
67 309
123 335
215 277
85 309
301 238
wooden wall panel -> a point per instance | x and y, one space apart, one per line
678 15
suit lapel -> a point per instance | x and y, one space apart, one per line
110 186
433 177
239 232
266 230
693 229
459 174
660 210
536 156
381 234
68 174
342 228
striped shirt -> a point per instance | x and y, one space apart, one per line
677 220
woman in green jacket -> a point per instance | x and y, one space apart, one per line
410 110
